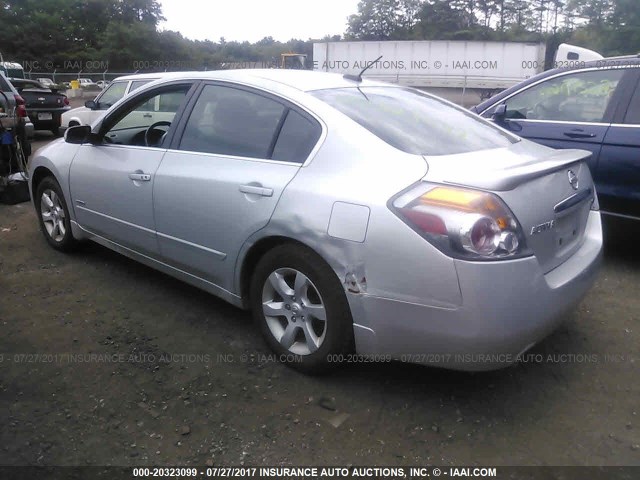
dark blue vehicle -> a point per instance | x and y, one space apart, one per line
595 107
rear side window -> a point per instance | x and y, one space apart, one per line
230 121
297 138
414 122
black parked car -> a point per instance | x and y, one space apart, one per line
593 106
44 106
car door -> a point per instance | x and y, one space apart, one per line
569 110
112 181
618 172
238 150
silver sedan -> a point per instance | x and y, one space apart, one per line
349 216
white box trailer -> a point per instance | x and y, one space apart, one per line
488 66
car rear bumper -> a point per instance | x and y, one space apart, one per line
507 307
36 114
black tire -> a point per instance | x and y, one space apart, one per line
338 327
63 241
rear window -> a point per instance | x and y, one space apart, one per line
415 122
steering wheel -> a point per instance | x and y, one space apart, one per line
152 127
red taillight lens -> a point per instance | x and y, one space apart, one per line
66 101
461 222
426 222
21 109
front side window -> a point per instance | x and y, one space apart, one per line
146 119
577 97
111 95
414 122
230 121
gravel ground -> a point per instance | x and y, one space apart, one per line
178 377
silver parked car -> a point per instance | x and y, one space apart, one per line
348 215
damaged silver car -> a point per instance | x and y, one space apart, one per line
348 215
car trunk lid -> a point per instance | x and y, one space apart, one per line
549 191
36 98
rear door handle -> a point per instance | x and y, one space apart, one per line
253 190
579 135
147 115
140 177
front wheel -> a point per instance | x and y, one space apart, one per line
301 308
53 214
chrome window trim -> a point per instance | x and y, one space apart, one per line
560 122
235 157
557 75
128 147
626 125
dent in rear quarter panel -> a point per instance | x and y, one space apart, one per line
392 260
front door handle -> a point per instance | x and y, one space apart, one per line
140 177
579 135
254 190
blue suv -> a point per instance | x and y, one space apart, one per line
596 107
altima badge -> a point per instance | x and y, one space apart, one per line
573 179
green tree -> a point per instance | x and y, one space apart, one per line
375 20
439 20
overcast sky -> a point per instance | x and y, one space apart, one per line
253 20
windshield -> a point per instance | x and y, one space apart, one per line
415 122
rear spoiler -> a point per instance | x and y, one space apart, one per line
510 177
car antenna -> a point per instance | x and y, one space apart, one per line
358 78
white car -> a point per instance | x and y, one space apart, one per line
86 82
95 108
103 83
46 82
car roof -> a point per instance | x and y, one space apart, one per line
142 76
622 62
303 80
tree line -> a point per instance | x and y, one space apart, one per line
126 34
611 27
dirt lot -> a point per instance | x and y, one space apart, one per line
181 378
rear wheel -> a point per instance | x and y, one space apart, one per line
301 308
53 214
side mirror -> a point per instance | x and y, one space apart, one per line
78 134
500 113
91 104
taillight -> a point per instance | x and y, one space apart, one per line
461 222
21 109
65 101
